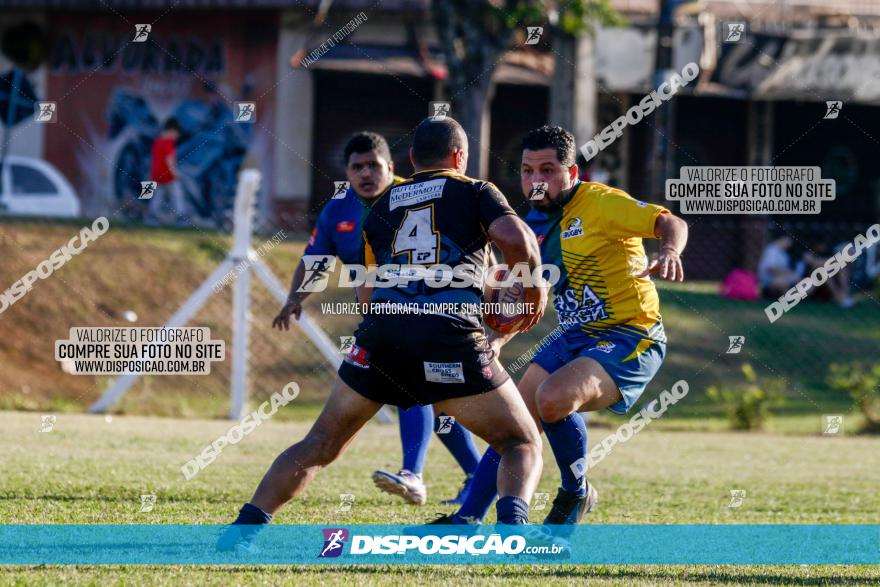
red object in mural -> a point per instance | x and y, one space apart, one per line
159 170
119 94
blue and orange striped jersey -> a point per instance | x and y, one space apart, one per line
339 229
596 241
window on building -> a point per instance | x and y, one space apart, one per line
31 182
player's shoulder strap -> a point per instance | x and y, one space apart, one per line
451 173
431 174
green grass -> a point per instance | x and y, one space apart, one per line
90 470
679 470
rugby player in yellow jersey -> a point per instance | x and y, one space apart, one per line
612 341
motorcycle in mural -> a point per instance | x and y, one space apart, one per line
210 151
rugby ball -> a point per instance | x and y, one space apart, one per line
504 305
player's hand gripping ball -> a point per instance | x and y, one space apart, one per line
507 310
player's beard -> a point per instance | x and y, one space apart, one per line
555 205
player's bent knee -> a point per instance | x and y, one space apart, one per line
553 403
528 439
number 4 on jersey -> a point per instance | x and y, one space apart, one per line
417 237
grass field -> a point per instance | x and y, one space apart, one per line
681 469
91 470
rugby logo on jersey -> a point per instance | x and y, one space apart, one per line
604 346
415 193
444 372
574 228
345 226
357 357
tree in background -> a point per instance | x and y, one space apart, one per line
749 404
475 34
862 383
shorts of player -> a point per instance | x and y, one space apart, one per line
404 360
630 360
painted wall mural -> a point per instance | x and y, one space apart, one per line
114 96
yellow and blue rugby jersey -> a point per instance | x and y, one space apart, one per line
596 241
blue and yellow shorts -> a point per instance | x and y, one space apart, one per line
630 360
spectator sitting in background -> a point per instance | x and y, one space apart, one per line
837 286
776 275
775 272
865 268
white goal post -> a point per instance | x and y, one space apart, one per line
245 200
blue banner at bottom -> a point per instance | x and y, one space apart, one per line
385 544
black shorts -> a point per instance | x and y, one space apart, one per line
404 360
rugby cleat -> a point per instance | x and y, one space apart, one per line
451 520
443 520
569 508
239 539
406 484
462 493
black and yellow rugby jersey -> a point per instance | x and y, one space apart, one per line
436 217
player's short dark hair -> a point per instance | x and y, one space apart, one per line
435 139
552 137
364 142
172 124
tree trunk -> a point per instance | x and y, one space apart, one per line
471 110
573 94
473 40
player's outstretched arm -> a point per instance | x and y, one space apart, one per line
517 244
295 298
672 232
364 296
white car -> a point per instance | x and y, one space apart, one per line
33 187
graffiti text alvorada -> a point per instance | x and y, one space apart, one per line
107 52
